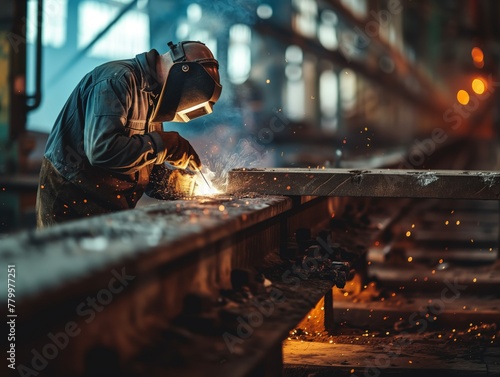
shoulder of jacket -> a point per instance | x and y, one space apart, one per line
118 70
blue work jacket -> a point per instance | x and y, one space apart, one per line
102 140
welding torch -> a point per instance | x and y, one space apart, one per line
196 169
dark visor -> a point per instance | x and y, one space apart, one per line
188 93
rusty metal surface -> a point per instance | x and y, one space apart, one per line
119 279
439 184
77 249
114 287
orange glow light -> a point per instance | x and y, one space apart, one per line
463 97
478 86
477 57
479 64
477 54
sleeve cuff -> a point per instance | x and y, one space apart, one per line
161 153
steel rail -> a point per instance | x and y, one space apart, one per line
119 284
397 183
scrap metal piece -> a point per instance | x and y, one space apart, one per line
435 184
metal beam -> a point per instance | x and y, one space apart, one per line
153 277
436 184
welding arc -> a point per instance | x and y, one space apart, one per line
196 169
205 179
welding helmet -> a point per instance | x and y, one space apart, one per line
192 86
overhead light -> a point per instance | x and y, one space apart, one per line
463 97
478 86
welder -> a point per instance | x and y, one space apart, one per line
108 147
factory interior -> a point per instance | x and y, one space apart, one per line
345 221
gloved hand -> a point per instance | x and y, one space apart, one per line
179 151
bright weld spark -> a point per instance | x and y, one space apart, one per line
203 184
208 184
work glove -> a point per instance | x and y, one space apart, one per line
179 151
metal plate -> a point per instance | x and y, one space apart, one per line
438 184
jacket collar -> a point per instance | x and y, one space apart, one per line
147 65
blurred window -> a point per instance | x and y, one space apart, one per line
327 31
328 95
239 53
55 14
357 7
126 38
189 28
295 86
347 82
305 17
